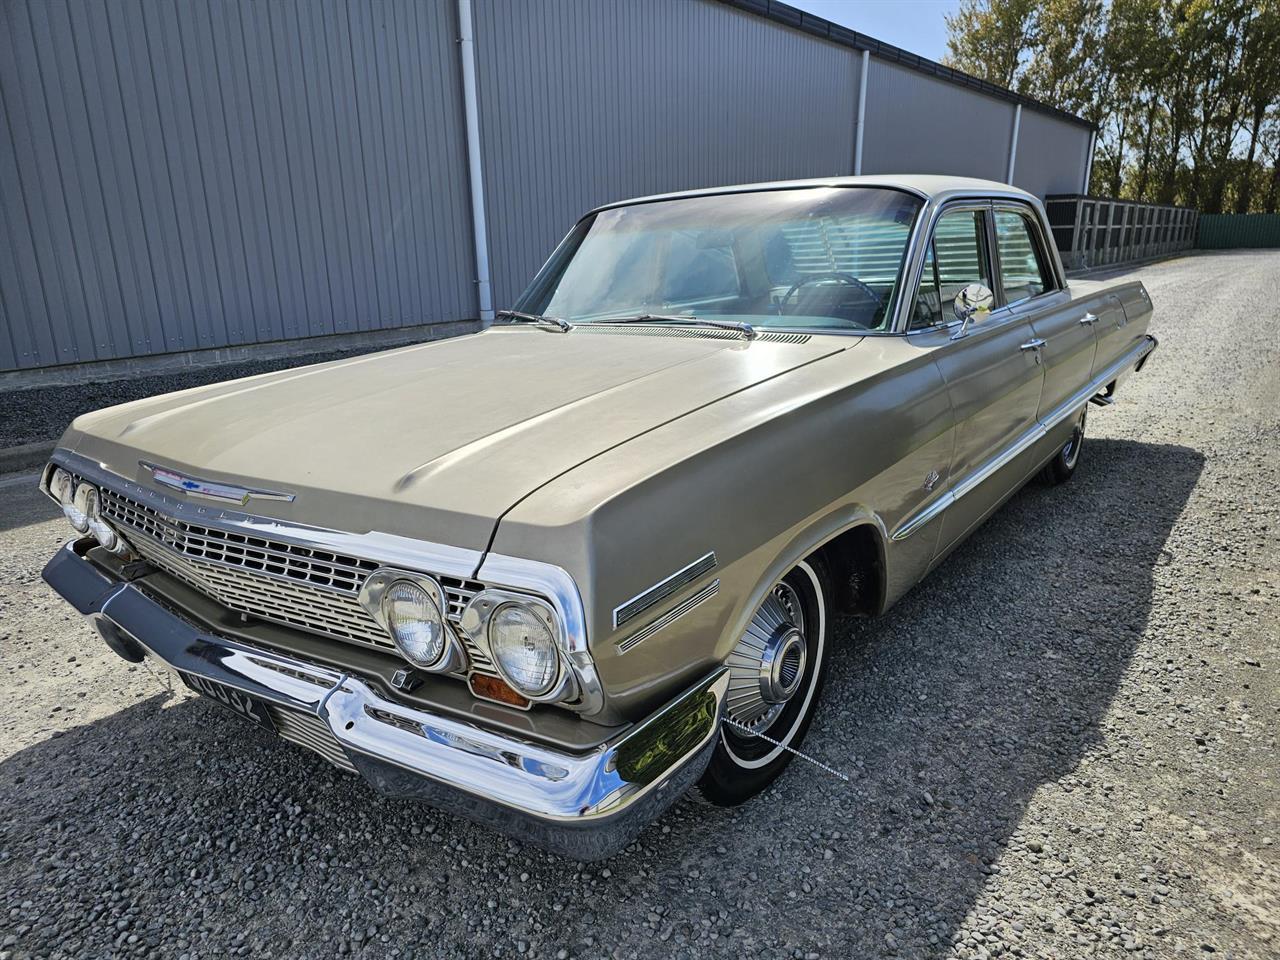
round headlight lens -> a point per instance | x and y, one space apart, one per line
60 486
524 648
415 623
73 505
89 503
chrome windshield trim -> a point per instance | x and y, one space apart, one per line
769 187
912 267
1040 429
893 318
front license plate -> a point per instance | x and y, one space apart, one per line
251 708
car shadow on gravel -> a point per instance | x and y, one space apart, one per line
177 824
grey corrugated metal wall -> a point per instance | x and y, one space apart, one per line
185 175
624 99
177 176
1052 155
916 124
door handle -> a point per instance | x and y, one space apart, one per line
1089 319
1032 344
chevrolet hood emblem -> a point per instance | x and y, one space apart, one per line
210 489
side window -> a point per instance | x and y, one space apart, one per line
1023 271
928 312
956 258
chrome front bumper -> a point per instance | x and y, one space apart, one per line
585 806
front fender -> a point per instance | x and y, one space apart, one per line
759 480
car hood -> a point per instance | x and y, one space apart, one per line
434 441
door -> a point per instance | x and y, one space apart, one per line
993 378
1115 335
1030 288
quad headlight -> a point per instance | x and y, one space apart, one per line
522 635
82 506
415 623
88 503
412 608
522 641
63 489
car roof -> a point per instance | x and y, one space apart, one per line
927 186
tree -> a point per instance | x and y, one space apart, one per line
1062 65
1261 73
1185 93
988 38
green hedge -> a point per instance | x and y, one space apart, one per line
1226 231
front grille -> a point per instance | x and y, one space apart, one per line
313 590
311 732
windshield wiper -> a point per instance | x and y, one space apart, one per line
562 325
738 326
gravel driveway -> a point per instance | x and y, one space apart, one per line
1062 744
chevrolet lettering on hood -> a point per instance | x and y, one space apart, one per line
552 575
209 489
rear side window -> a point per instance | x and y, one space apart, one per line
1023 271
957 257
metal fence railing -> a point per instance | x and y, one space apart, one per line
1230 231
1095 231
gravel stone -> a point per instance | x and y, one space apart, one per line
1062 744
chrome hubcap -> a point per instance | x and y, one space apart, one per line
782 665
767 667
1071 452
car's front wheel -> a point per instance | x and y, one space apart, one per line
776 674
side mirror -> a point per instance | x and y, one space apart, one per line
972 300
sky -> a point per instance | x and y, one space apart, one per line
914 25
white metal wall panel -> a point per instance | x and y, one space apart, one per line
918 124
587 101
190 175
1052 155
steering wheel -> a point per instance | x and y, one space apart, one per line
872 297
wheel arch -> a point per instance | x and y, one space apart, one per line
855 560
843 539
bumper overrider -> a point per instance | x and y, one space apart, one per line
586 806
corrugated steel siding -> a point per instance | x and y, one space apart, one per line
1052 155
1228 231
587 101
180 176
176 176
916 124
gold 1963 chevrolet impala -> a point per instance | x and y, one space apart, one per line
554 574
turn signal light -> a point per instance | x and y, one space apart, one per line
491 688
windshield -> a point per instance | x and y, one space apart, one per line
827 258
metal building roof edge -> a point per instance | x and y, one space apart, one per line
810 23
